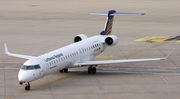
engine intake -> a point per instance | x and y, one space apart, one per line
79 37
111 40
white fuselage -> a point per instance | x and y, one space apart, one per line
64 57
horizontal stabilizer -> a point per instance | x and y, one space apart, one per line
117 13
110 16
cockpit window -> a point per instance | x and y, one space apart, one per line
30 67
36 67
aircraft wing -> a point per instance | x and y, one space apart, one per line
119 61
115 61
17 55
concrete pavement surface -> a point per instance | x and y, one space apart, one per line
34 27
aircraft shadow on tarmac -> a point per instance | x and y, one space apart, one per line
130 70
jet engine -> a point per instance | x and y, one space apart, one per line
111 40
79 37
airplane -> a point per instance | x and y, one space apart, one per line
78 54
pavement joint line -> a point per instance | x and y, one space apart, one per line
146 49
164 80
40 86
130 54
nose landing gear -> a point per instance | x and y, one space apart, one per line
27 85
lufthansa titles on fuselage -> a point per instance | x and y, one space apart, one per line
53 57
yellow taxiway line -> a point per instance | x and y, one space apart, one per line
146 49
157 38
153 39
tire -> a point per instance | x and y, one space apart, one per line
89 70
26 88
94 70
61 71
65 70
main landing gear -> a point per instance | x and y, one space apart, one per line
27 85
92 69
64 70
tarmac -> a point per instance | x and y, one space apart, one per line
34 27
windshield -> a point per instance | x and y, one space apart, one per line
30 67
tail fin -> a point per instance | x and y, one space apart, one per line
109 21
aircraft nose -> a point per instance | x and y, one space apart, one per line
22 76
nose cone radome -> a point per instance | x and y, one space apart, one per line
22 76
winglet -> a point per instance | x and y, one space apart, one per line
6 49
17 55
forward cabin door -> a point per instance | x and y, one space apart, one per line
43 66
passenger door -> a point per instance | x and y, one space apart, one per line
43 66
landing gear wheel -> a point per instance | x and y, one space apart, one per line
61 71
27 86
89 70
94 70
66 70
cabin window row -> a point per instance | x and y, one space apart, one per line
73 54
91 47
63 58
